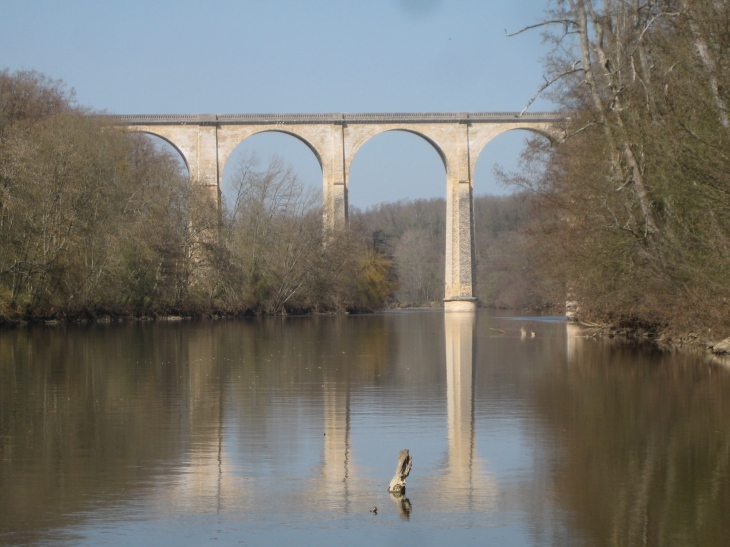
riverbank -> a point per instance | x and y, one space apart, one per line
657 338
107 317
663 339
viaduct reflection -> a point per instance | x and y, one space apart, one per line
212 467
336 471
464 478
459 331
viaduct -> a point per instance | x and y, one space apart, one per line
205 141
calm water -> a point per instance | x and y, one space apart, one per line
287 431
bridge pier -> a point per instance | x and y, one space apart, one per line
335 213
459 293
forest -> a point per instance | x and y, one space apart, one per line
413 235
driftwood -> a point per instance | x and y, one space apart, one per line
398 484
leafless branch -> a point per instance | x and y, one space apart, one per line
565 22
548 83
627 183
580 130
651 22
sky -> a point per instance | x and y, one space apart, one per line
288 56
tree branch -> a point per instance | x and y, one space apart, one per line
548 83
565 22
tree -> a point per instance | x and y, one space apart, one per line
273 231
634 202
78 198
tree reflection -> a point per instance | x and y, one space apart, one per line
640 442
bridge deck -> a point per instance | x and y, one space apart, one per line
412 117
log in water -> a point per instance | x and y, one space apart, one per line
398 484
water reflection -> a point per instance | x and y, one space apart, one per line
574 340
336 472
403 504
294 425
639 443
464 480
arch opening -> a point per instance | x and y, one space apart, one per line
165 146
396 165
505 272
275 141
260 150
502 153
397 190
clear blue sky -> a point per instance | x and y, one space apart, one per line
296 56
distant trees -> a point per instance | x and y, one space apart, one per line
95 220
414 234
635 203
508 276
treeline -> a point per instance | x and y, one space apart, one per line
413 234
97 221
634 203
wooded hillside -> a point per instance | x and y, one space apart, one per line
413 233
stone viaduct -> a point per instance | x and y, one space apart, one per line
206 141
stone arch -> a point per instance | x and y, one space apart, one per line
196 143
229 137
223 157
170 142
394 165
481 135
290 149
325 141
357 136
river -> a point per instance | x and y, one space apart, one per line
287 431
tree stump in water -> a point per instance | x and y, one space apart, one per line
398 484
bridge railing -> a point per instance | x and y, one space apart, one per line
404 117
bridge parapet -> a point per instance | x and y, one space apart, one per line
405 117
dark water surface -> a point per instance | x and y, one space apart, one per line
287 431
